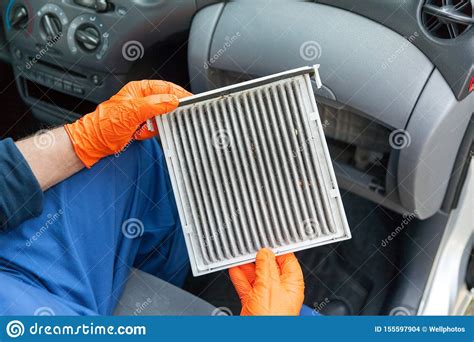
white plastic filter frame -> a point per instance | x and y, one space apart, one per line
226 219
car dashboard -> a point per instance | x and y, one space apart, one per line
82 48
395 103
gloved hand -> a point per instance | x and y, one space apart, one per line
116 121
270 286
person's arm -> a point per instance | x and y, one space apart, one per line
21 197
121 118
50 156
27 168
59 153
30 166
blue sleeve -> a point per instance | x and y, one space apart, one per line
21 197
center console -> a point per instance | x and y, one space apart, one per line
69 55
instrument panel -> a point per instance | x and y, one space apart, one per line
86 48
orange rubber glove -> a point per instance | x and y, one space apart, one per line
116 121
270 286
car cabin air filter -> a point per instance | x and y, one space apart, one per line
250 168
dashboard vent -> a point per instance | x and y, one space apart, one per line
250 168
447 19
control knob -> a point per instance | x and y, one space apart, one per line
19 18
87 37
51 26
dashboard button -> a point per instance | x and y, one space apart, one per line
40 77
67 86
58 83
48 79
95 79
18 53
77 89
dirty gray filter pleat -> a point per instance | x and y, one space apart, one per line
250 168
187 149
317 169
305 143
238 189
242 163
266 172
274 171
227 199
285 159
265 228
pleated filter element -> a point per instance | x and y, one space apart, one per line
250 168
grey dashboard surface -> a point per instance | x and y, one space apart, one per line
436 129
454 59
363 64
366 67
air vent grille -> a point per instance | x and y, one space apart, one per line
250 169
447 19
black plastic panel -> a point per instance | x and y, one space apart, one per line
416 264
146 22
126 31
4 53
